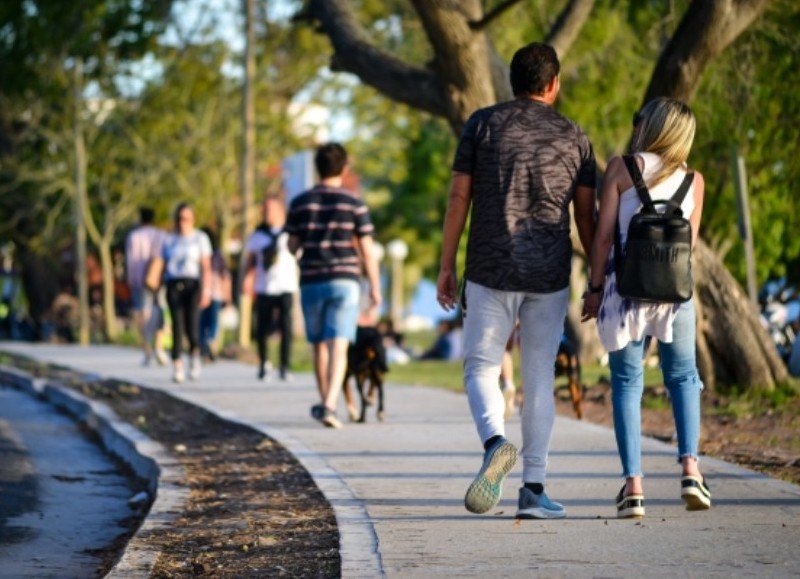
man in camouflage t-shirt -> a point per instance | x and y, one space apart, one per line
519 164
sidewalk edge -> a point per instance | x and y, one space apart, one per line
148 459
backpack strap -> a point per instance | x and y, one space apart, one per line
267 230
673 202
638 181
680 194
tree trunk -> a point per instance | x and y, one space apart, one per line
462 56
739 351
248 162
109 307
706 29
81 204
568 25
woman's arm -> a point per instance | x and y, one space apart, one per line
616 180
697 212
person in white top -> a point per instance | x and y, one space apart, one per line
276 283
141 246
187 272
663 133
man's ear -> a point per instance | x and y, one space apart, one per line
551 91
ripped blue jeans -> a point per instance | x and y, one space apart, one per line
679 368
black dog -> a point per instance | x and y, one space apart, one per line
366 362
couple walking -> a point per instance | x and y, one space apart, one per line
519 166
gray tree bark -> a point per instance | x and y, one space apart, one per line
733 347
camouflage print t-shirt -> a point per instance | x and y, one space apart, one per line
525 160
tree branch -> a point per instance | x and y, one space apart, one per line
493 14
707 28
354 53
568 25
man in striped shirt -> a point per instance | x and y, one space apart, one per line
332 228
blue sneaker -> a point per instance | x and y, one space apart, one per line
484 492
533 506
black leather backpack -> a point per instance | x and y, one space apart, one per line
656 263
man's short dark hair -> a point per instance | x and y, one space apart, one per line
330 160
146 214
533 67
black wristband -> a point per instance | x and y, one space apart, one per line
595 289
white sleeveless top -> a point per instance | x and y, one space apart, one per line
619 319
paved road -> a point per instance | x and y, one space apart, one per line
60 494
397 487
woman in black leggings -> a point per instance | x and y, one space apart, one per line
187 267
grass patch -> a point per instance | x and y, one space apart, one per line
738 402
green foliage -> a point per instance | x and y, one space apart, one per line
746 103
744 100
50 32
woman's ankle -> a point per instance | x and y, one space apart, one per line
689 467
633 485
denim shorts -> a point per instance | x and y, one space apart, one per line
141 299
330 309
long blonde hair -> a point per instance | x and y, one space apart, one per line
666 128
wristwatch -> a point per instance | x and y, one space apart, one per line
594 289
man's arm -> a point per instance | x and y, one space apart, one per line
585 217
367 251
205 281
455 219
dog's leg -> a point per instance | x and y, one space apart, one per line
361 384
377 383
575 386
373 391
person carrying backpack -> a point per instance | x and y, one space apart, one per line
276 283
663 133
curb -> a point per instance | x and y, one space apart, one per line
147 459
358 542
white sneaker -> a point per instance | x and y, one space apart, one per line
194 368
177 375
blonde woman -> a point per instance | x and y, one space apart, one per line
663 133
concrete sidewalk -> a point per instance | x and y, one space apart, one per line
397 487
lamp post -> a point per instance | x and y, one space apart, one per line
397 250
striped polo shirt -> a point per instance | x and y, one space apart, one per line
326 220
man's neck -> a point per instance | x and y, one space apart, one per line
331 181
534 97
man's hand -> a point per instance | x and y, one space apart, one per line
446 289
205 300
375 295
